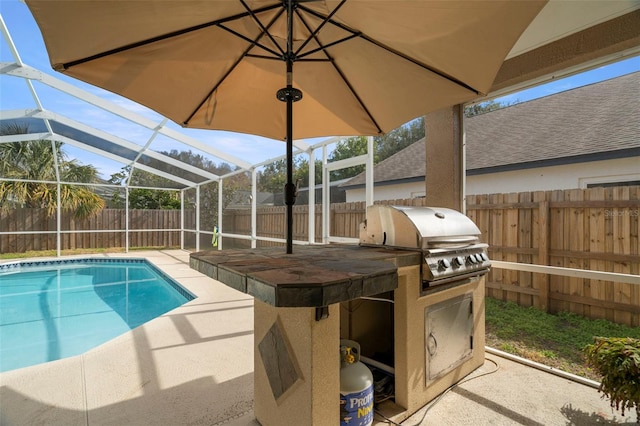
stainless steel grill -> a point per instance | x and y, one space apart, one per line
448 240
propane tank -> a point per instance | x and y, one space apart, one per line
356 387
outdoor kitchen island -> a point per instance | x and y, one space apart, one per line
307 301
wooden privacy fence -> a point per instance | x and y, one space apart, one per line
33 230
594 229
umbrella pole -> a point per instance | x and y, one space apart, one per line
289 190
289 95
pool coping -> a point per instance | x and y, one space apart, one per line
192 365
19 265
24 266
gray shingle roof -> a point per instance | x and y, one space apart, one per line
601 119
405 164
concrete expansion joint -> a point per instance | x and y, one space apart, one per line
237 416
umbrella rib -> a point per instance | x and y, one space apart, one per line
314 33
67 65
325 46
421 65
390 50
339 71
264 30
235 64
276 55
364 107
272 58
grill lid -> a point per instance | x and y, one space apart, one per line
417 227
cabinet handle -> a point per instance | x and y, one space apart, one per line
432 345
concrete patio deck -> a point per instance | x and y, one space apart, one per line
194 366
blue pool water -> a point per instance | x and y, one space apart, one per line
56 309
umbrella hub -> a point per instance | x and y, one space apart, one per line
287 93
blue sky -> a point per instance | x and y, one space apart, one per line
589 77
14 94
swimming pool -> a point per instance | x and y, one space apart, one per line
56 309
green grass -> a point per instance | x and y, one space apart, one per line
556 340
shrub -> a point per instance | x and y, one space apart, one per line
618 361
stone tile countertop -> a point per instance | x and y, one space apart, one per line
312 276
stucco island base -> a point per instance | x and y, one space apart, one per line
299 320
296 366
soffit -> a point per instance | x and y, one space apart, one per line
561 18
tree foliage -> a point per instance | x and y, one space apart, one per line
145 198
273 176
484 107
399 138
35 160
348 148
302 172
153 199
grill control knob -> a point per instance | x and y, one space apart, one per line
444 264
484 256
458 261
472 258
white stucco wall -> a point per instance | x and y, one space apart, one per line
569 176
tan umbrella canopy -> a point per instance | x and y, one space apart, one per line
357 67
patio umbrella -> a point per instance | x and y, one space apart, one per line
353 67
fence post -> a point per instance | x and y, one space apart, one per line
543 251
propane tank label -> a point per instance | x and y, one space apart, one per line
356 409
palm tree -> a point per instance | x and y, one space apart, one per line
35 160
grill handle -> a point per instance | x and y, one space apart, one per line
453 240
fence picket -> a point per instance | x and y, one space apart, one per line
496 240
596 245
525 217
541 239
622 244
575 236
608 248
